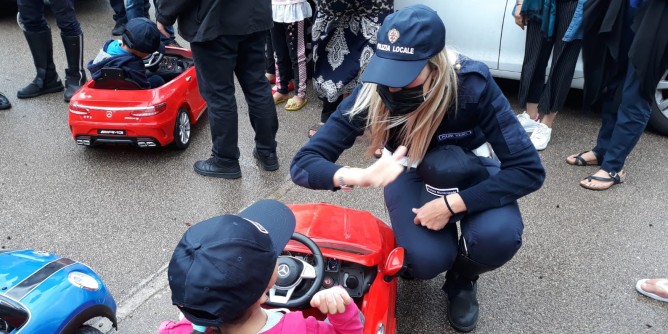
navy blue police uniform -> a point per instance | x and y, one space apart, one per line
492 226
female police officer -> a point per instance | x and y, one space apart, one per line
418 97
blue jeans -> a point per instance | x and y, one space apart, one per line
139 8
32 16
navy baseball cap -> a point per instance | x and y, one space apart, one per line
407 40
223 265
449 169
142 35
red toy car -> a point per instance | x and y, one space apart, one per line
334 245
115 110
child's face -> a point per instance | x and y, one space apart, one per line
272 281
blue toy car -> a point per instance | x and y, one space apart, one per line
43 293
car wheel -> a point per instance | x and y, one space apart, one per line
659 117
87 330
182 130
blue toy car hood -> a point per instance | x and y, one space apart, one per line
16 266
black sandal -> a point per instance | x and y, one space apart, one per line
615 178
580 161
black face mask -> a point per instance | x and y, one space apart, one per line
401 102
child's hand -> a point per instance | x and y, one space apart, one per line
331 301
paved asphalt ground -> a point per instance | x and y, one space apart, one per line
122 210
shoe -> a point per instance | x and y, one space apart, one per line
463 307
210 168
580 161
46 81
615 178
527 122
378 153
269 162
292 105
75 73
541 136
118 29
4 103
658 284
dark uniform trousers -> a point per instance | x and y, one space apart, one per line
216 63
492 236
32 16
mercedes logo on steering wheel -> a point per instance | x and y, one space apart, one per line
283 270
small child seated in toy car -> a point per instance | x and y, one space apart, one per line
140 39
222 269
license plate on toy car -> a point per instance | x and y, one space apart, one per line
110 132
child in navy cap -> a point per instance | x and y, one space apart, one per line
222 269
140 39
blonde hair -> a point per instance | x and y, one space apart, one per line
420 125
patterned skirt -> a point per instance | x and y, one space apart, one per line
344 39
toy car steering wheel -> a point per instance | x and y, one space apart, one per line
292 271
152 61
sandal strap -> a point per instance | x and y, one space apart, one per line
580 161
614 178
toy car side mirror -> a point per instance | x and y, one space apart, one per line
394 263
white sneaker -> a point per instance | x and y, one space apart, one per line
541 136
527 123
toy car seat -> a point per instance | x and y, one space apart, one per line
114 78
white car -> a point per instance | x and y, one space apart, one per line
486 31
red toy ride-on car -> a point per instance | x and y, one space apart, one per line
115 110
334 245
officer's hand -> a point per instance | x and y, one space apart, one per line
384 170
434 215
162 29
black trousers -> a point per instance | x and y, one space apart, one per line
288 40
550 95
216 64
32 16
119 10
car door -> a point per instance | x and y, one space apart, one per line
472 27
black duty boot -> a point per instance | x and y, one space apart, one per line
75 73
46 81
461 286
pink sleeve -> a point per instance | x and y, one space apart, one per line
348 322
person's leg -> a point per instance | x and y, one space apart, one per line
532 78
72 36
120 18
270 62
564 58
279 41
134 8
297 54
428 253
38 35
257 91
214 64
632 117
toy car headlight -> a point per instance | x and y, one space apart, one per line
83 281
380 329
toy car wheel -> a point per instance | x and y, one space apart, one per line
182 130
87 330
